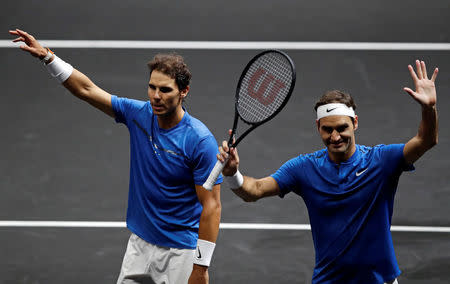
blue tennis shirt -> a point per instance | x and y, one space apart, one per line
350 210
165 165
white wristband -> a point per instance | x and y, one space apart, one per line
48 56
59 69
235 181
204 252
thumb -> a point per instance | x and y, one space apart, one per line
413 94
410 92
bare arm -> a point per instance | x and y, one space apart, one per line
425 95
78 83
82 87
208 228
252 189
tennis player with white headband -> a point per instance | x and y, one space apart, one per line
348 189
334 109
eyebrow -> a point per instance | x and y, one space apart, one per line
340 126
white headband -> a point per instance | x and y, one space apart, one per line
334 109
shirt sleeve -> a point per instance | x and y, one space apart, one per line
287 175
393 159
125 108
205 159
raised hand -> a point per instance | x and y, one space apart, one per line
425 93
31 45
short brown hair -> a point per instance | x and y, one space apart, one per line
335 96
172 65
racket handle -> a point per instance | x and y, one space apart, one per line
218 167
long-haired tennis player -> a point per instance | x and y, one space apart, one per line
174 221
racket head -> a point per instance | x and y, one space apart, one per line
265 86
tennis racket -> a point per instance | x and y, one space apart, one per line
264 88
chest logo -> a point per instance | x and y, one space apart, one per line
361 172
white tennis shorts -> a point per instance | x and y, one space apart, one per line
147 263
392 282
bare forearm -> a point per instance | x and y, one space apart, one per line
79 85
253 189
248 191
428 129
426 138
83 88
209 222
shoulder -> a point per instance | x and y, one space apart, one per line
126 109
127 101
387 154
317 155
198 140
125 106
303 159
197 130
387 149
315 158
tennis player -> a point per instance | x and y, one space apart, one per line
174 221
348 188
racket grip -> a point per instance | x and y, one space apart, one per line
212 178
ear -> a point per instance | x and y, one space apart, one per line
184 92
318 124
356 123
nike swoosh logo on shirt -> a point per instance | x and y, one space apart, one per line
361 172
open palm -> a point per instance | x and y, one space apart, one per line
425 92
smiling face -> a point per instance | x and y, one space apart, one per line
166 99
338 135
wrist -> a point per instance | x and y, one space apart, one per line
200 268
429 107
59 69
48 55
203 253
235 181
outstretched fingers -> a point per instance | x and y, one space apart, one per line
16 33
424 69
26 48
30 45
413 74
18 39
419 70
13 32
433 77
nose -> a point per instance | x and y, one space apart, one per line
335 136
154 93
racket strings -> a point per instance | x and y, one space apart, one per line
264 87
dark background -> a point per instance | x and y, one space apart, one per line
63 160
